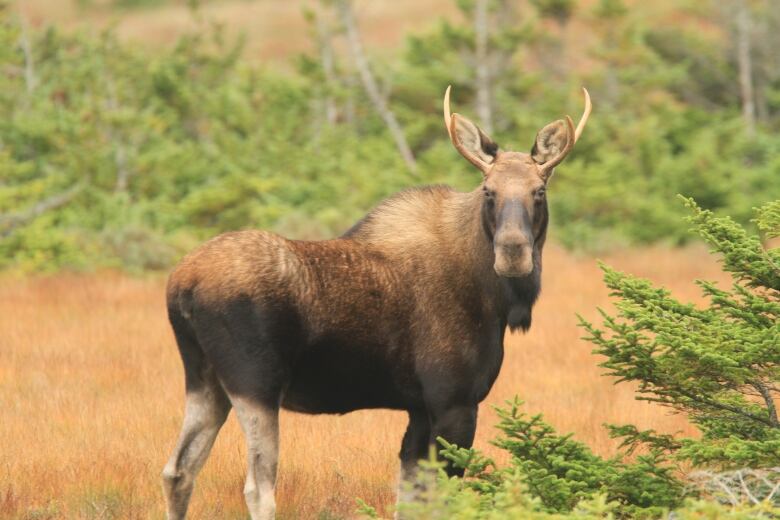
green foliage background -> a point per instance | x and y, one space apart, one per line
208 142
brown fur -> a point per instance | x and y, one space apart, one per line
407 310
430 236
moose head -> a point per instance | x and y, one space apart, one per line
514 210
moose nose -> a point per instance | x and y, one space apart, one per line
513 248
514 255
512 242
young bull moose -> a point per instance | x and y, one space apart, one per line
407 310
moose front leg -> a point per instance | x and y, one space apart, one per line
413 448
456 425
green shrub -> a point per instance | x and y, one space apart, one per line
560 472
505 494
719 365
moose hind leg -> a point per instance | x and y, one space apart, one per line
260 423
205 412
252 345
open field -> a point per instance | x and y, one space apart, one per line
91 394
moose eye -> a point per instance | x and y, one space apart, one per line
488 193
540 193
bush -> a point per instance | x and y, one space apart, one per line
719 365
560 473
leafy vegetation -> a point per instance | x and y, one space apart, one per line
559 472
115 155
719 365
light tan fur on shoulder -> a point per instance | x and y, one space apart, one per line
410 222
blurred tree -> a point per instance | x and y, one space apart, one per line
347 16
483 80
751 28
556 59
558 10
745 61
719 365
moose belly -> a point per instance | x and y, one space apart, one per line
340 376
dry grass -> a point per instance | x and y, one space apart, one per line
91 394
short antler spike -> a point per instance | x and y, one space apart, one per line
572 136
451 122
585 115
447 115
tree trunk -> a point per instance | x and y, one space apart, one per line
324 38
483 79
745 67
369 82
120 153
30 80
350 82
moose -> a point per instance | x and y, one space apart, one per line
407 310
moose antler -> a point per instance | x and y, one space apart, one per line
572 136
450 121
585 115
447 115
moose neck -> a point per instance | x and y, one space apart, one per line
510 299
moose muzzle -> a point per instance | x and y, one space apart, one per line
513 242
514 255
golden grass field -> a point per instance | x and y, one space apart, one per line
91 394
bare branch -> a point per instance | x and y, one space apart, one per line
30 80
666 401
349 83
11 221
369 82
738 487
733 500
746 489
120 153
769 400
744 60
483 80
324 42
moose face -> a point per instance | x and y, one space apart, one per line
514 212
514 209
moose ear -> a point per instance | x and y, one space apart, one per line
555 141
550 141
475 141
472 143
